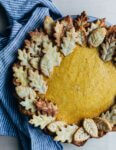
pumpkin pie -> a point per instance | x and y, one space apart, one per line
65 78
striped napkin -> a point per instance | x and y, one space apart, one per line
23 16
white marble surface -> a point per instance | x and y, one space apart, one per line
97 8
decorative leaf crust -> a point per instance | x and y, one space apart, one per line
25 92
81 37
108 47
24 57
48 25
97 37
69 42
110 116
103 124
37 82
41 120
28 104
64 132
50 59
34 62
20 75
46 107
90 127
58 34
81 21
100 23
80 137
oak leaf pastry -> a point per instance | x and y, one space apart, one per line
64 132
46 107
41 120
103 126
90 127
80 137
65 78
48 25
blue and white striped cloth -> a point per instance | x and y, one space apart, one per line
24 16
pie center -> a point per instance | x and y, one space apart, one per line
83 86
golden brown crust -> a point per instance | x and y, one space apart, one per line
81 21
79 144
25 112
46 107
58 34
111 31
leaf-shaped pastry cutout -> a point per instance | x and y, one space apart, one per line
24 57
41 120
108 49
37 82
67 23
81 37
46 107
96 37
48 25
102 124
110 115
35 62
69 42
90 127
96 24
58 34
65 134
28 104
55 126
25 92
33 47
82 20
50 59
20 74
80 137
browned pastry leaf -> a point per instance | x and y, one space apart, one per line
103 126
39 37
25 112
33 47
90 127
81 21
20 75
108 48
111 31
101 133
67 23
81 38
80 137
46 107
58 28
101 22
96 37
79 144
48 25
61 27
40 120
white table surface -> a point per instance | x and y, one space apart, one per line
97 8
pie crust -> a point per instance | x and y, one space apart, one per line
65 78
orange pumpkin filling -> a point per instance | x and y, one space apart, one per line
82 86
